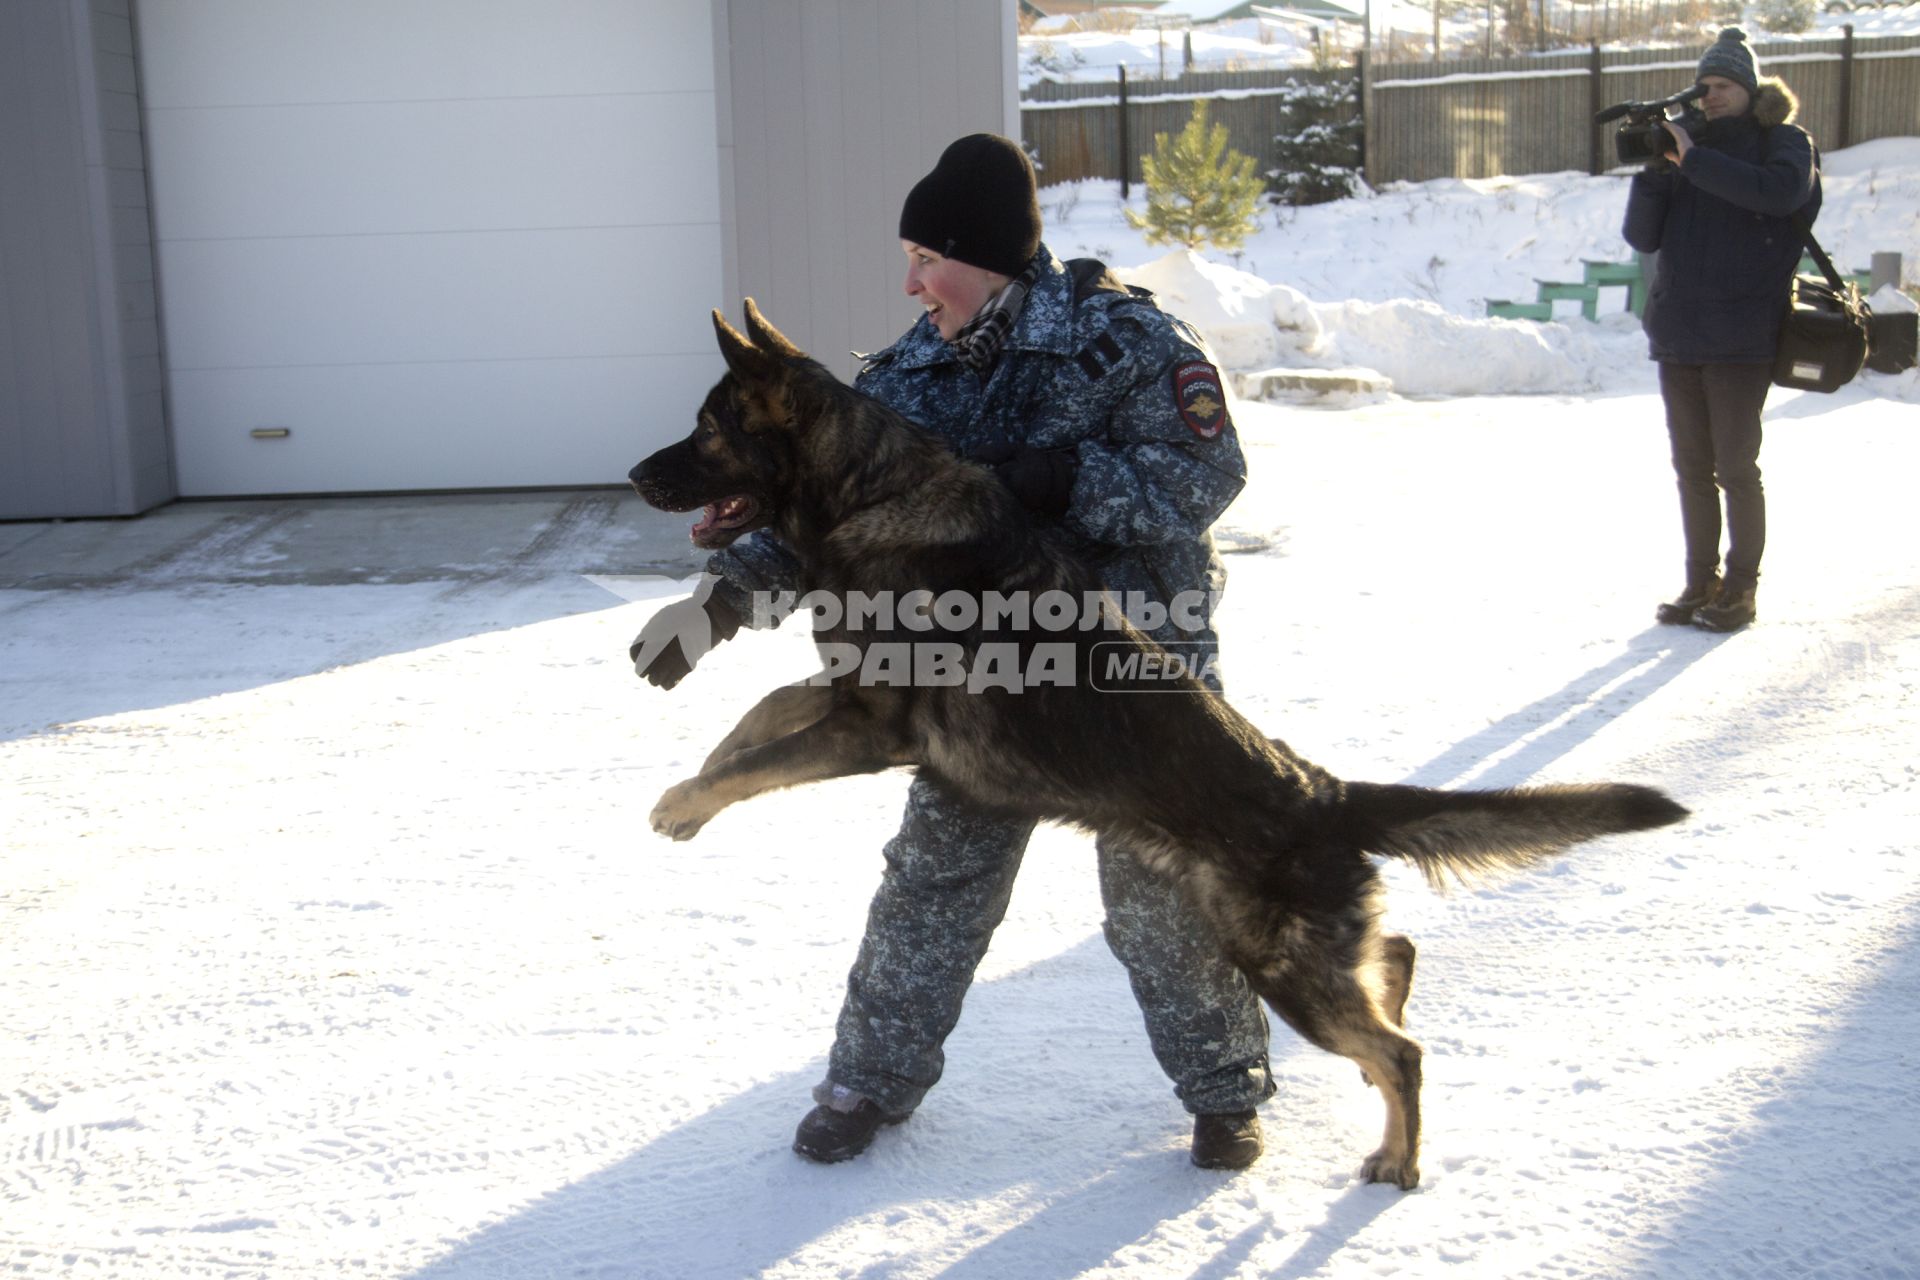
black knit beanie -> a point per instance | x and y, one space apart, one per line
1730 57
977 205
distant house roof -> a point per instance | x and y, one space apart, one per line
1195 12
1205 10
1063 8
1335 10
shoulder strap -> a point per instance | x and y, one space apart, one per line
1091 276
1805 230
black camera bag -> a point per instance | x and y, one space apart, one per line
1823 336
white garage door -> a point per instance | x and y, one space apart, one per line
430 244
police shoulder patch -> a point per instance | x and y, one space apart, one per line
1203 405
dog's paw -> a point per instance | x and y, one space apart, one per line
680 815
1401 1171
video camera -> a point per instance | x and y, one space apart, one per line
1644 138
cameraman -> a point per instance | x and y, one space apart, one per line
1716 210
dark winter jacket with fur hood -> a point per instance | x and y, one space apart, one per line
1719 225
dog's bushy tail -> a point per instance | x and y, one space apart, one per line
1474 834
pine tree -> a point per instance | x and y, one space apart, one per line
1316 156
1198 189
1785 15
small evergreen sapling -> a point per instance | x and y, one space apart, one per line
1198 189
1785 15
1315 158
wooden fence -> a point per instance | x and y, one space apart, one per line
1471 118
1079 130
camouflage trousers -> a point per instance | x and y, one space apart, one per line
948 878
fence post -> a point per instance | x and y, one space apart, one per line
1883 271
1846 87
1362 71
1125 168
1596 102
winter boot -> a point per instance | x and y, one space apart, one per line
1229 1140
830 1136
1679 611
1732 609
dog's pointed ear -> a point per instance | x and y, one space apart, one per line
748 362
768 338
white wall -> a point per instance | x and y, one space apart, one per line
448 243
837 107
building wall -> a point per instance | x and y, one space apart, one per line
440 245
82 423
835 108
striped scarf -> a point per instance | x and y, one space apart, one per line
980 340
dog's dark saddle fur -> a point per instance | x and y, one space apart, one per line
1272 849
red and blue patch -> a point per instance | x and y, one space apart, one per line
1203 405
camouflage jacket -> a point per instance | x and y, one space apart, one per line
1095 367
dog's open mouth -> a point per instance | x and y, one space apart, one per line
721 522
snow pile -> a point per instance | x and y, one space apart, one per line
1422 348
1427 350
1248 322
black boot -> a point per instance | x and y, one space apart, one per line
1679 611
1229 1140
1731 610
830 1136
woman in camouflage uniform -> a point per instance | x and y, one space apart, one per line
1105 418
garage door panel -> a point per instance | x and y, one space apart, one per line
261 52
448 243
367 168
426 426
485 296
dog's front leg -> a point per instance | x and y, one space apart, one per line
786 710
850 738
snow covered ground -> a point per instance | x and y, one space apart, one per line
335 941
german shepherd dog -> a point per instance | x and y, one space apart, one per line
1272 849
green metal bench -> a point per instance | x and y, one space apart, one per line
1501 309
1603 275
1552 291
1595 276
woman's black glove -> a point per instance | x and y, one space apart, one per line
678 636
1042 479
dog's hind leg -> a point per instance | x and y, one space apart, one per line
849 739
1396 980
1335 1008
788 709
